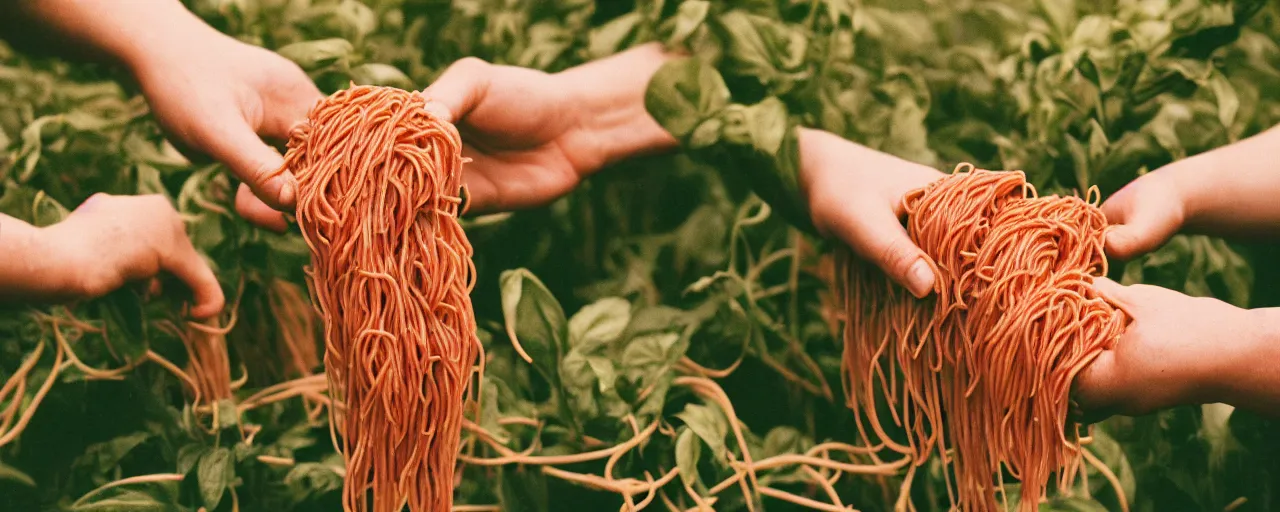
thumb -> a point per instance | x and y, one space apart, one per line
256 164
1117 294
459 89
879 237
1138 227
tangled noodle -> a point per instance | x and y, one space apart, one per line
379 181
985 364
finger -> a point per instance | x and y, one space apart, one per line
187 265
1139 226
459 89
1117 294
1095 393
257 212
285 115
878 236
255 163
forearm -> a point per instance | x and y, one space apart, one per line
29 268
1253 381
612 92
1233 190
129 31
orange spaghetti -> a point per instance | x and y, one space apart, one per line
379 183
985 364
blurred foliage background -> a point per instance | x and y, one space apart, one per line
634 291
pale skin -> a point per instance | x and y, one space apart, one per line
1179 349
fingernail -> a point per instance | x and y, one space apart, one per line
288 191
920 278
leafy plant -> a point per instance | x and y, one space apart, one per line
674 326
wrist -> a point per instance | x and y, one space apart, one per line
37 267
167 35
610 107
1192 181
1245 366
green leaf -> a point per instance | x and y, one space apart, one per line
783 440
690 16
535 321
1060 13
683 93
376 73
610 37
767 49
688 451
149 181
710 425
1228 101
314 55
215 472
599 323
99 458
579 383
189 455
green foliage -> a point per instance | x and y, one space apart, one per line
665 262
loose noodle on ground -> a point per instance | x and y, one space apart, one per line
985 364
379 183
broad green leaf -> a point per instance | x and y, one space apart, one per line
598 323
215 471
490 413
710 425
688 451
783 440
579 383
102 457
683 93
375 73
314 55
764 48
534 320
610 37
316 478
189 455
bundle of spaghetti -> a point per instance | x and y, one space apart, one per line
295 327
379 196
985 364
208 362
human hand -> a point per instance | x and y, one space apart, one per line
533 136
1145 213
1174 352
855 194
218 96
109 241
